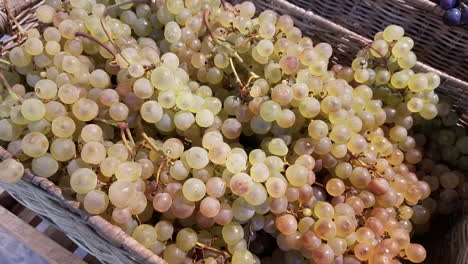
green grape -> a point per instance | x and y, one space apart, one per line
118 111
194 189
83 180
393 32
63 149
232 233
85 109
35 144
63 127
68 93
33 109
120 193
45 89
44 166
12 171
45 13
242 256
418 83
297 175
93 153
257 194
145 235
96 202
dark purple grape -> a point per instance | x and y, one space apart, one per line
452 17
464 15
447 4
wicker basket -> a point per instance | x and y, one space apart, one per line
353 22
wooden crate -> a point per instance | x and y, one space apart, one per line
37 234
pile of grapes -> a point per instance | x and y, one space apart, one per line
456 11
212 135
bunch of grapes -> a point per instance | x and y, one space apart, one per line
211 135
456 12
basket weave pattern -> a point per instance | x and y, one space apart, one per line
353 22
441 46
96 235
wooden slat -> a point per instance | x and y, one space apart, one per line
59 237
36 241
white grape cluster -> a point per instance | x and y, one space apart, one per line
207 132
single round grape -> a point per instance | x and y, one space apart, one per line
415 253
172 254
12 171
99 79
240 184
68 93
130 171
63 149
197 158
96 202
45 89
108 166
297 175
162 202
83 180
85 109
335 187
45 13
393 32
204 118
165 230
145 235
120 193
91 132
93 153
215 187
242 256
151 111
118 111
210 207
33 109
194 189
257 194
259 172
286 224
232 233
63 127
44 166
269 111
277 146
35 144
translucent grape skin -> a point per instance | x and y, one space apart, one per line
201 79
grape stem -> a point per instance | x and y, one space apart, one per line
10 90
129 134
5 62
21 31
138 219
220 41
245 41
105 14
124 139
162 163
152 145
206 16
203 246
238 80
380 53
361 163
227 6
81 34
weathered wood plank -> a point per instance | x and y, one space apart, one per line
36 241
